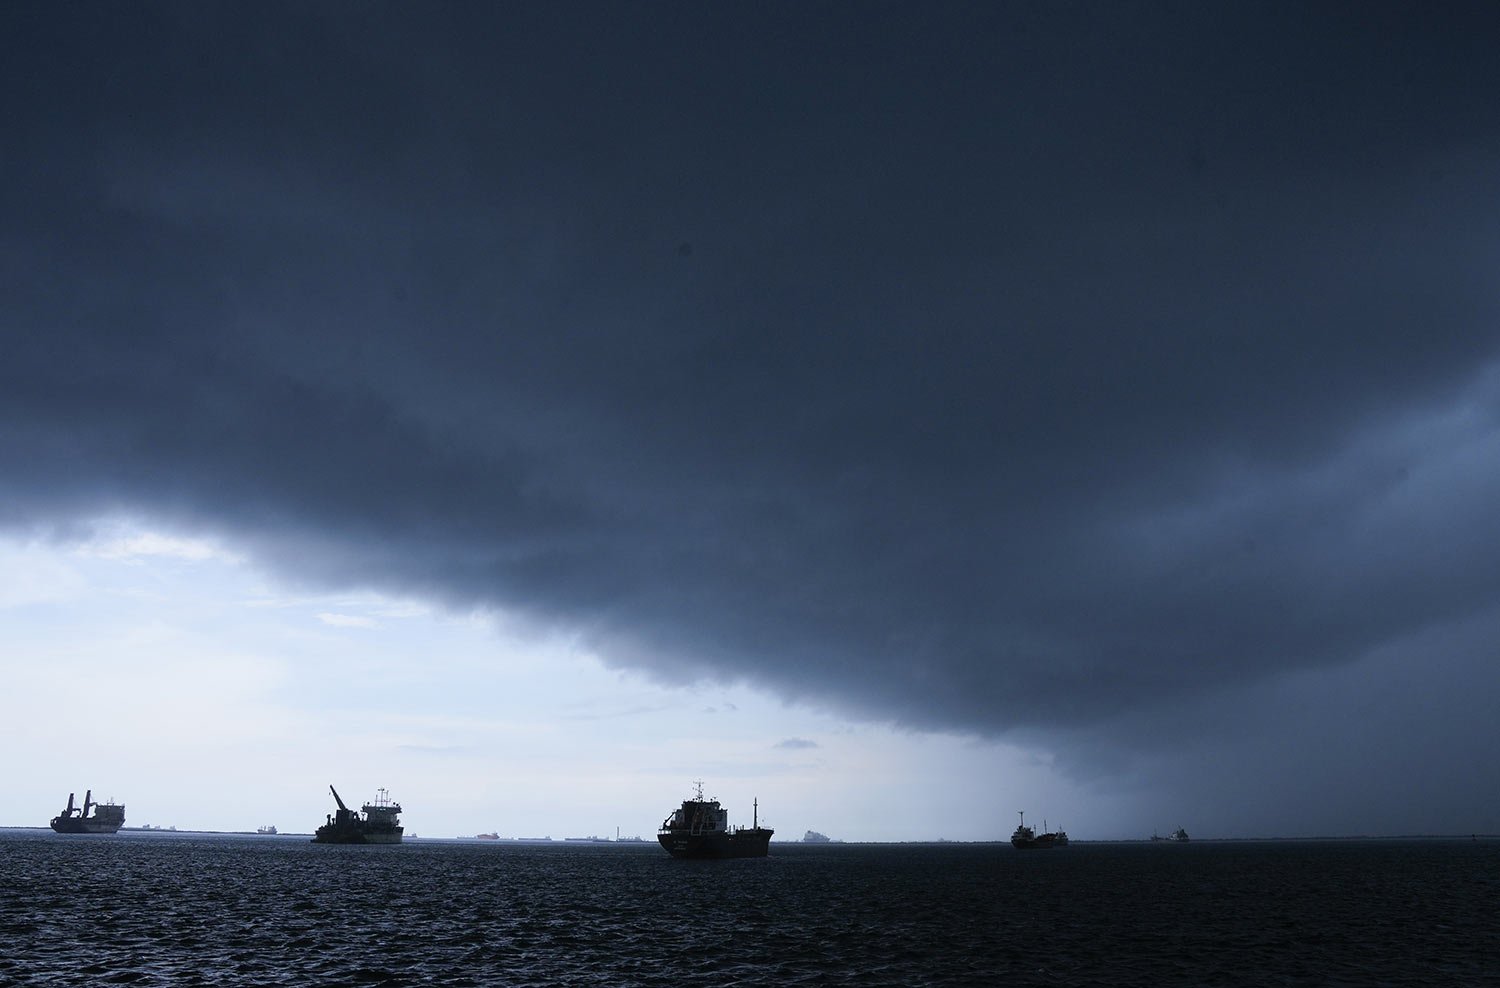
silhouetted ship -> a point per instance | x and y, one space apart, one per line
107 817
1178 836
1027 839
699 828
379 824
267 829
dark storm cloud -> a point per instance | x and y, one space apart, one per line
974 368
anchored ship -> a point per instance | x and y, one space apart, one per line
377 822
699 828
1179 835
107 817
1027 839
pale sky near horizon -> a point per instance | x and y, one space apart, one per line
164 672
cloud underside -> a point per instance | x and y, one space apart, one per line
969 407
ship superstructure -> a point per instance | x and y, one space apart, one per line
107 817
1027 839
699 828
377 822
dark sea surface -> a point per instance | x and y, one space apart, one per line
229 910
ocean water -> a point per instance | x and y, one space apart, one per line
142 909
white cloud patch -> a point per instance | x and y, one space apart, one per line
120 541
348 620
404 609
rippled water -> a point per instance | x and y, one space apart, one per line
168 910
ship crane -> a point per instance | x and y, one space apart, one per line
343 816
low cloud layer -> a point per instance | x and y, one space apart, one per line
1048 374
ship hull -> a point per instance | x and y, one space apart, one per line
740 844
1041 843
76 826
325 835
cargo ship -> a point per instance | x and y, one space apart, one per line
1027 839
107 817
699 828
377 822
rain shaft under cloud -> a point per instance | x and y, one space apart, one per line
995 370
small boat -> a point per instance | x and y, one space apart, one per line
699 828
1026 839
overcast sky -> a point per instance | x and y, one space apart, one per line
859 406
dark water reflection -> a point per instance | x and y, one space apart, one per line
168 910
